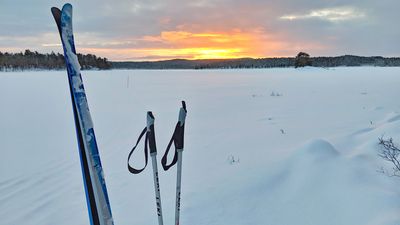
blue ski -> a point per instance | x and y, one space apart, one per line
95 187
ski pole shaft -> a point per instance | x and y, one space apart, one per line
153 154
178 187
179 150
157 188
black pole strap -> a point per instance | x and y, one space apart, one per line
149 143
131 169
164 158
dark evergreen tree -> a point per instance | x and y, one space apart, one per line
302 59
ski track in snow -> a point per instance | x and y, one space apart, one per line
321 170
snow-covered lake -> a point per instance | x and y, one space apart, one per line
306 141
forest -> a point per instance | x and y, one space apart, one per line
303 60
33 60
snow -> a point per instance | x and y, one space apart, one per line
306 157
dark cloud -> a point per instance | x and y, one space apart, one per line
102 24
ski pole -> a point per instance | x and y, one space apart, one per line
178 140
150 143
153 154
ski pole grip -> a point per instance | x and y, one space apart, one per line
182 114
150 132
184 105
150 120
180 128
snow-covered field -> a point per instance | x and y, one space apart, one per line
308 156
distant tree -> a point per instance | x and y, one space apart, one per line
302 59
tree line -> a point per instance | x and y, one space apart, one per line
34 60
301 60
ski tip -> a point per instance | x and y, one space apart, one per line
55 10
57 17
57 13
67 6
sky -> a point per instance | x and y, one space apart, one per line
141 30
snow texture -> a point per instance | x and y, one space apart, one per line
321 170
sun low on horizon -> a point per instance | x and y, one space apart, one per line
188 45
207 29
184 44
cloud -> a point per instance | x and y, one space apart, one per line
337 14
191 45
136 29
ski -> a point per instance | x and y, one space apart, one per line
98 204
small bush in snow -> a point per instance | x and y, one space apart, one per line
277 94
390 152
232 160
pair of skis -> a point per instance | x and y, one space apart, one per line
150 145
99 209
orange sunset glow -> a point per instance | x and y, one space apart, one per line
190 45
203 45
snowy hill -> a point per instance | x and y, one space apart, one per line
307 154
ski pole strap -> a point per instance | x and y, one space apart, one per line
177 138
149 143
164 158
130 168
